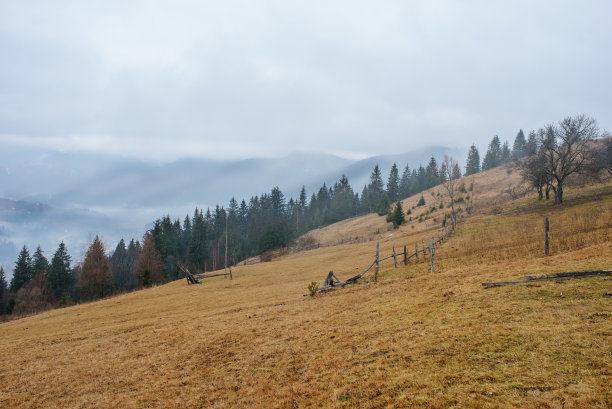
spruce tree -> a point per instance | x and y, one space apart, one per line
39 261
61 276
432 174
404 185
96 280
150 267
456 172
473 161
23 271
4 291
519 148
532 146
383 204
122 273
393 183
198 246
397 217
506 154
493 156
376 181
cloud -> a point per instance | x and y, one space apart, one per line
156 79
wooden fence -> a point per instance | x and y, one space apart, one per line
332 281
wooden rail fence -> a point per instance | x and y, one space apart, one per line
332 281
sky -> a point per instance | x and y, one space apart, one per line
161 80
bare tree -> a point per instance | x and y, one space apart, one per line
567 149
451 180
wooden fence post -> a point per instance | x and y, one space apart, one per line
394 257
377 261
405 255
423 241
416 250
546 227
433 258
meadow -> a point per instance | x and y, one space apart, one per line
410 339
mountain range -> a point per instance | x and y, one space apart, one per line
49 196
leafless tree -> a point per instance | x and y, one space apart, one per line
567 149
450 185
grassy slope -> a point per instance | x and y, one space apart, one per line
413 339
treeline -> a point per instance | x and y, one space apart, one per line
266 222
550 155
270 221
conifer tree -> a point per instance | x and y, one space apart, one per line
96 280
39 261
397 216
133 254
532 146
456 172
393 183
432 174
4 291
198 248
122 273
493 156
405 181
519 148
372 192
472 165
506 155
23 271
383 204
150 267
61 276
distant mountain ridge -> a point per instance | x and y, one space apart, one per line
55 196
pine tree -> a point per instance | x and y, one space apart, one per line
150 267
393 183
432 174
405 181
133 254
519 148
493 156
61 276
23 271
456 172
532 146
375 189
96 280
198 246
383 204
506 155
397 217
39 261
4 291
473 161
122 273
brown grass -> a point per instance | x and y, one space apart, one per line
412 339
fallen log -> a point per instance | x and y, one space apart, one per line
553 277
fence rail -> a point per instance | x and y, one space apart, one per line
332 281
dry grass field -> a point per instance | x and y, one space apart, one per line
412 339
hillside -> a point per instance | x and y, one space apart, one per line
412 339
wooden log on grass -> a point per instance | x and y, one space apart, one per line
554 277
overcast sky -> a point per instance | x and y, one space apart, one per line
162 80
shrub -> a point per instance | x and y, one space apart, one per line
421 201
312 288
